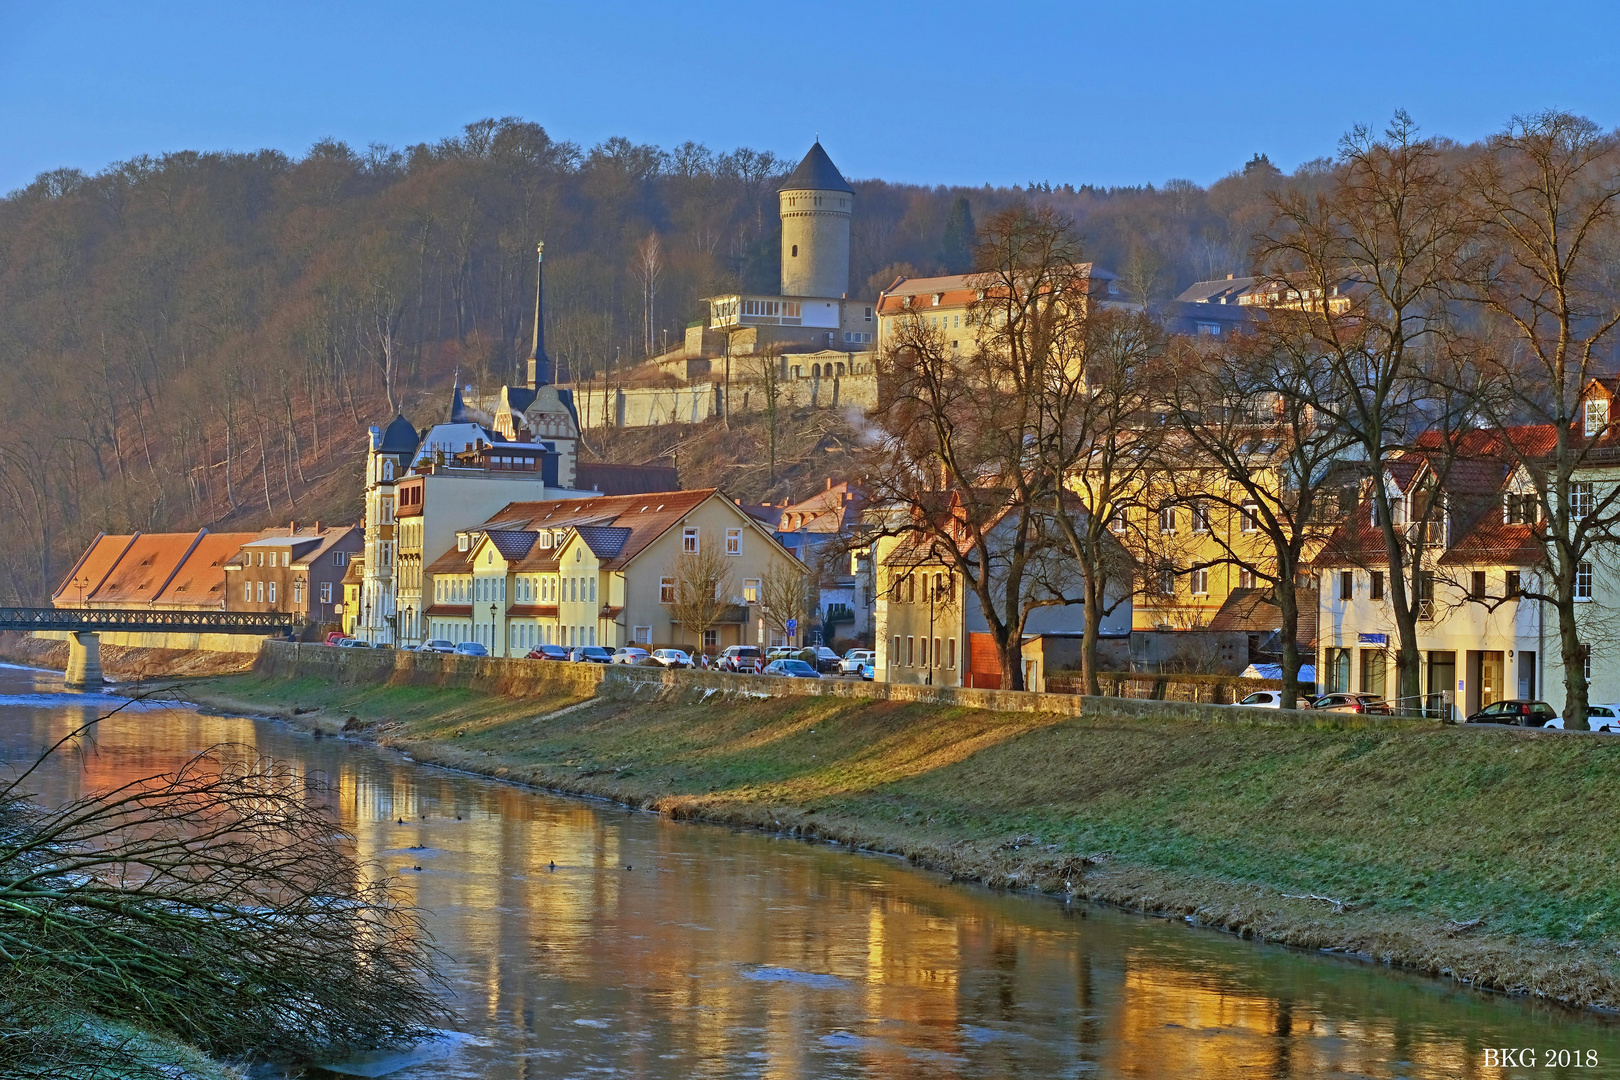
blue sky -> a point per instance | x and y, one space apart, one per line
1120 92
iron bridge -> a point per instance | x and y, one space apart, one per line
96 620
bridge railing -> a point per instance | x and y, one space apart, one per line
80 619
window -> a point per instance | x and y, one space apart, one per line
1200 581
340 558
247 592
261 558
326 592
936 656
1425 594
733 541
593 590
911 652
950 652
1251 518
751 590
1245 579
711 640
1377 590
1513 588
1477 586
1583 581
1167 581
643 635
1117 521
1597 416
272 592
1167 518
545 539
1519 508
666 590
1580 501
894 651
1347 585
298 592
260 591
689 540
1200 516
461 543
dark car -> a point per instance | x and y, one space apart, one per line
1370 704
826 660
793 669
590 654
1521 713
548 652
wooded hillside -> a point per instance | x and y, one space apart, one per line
202 338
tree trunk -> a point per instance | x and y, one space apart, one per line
1093 631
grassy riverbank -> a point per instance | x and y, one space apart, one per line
1483 854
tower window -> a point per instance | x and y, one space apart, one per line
795 251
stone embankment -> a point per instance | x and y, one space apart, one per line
531 678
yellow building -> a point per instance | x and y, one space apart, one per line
602 571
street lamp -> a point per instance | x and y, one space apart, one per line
492 610
83 584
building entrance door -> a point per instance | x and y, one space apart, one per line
1442 684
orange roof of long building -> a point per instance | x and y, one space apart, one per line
177 570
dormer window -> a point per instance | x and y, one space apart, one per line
938 297
461 543
1597 416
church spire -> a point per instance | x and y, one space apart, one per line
539 362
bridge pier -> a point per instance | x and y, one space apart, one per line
84 661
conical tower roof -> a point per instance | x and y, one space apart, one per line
817 173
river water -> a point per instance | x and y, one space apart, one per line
657 949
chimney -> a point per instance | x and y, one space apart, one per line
292 527
1229 277
829 483
317 526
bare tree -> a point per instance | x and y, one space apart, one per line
1364 270
702 584
1546 192
648 269
1264 456
1103 388
784 597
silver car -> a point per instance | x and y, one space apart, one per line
854 660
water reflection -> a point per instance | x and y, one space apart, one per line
585 940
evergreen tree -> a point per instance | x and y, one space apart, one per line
961 236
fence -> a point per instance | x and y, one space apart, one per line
1198 689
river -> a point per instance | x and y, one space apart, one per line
657 949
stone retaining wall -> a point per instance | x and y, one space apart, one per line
532 678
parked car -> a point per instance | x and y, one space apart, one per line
855 660
471 648
548 652
793 669
869 670
1521 713
630 654
826 660
438 644
1270 699
590 654
1605 717
1352 703
353 643
738 658
671 658
336 636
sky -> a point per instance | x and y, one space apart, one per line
1123 92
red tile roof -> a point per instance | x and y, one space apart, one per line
175 570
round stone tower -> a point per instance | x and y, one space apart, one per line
815 208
